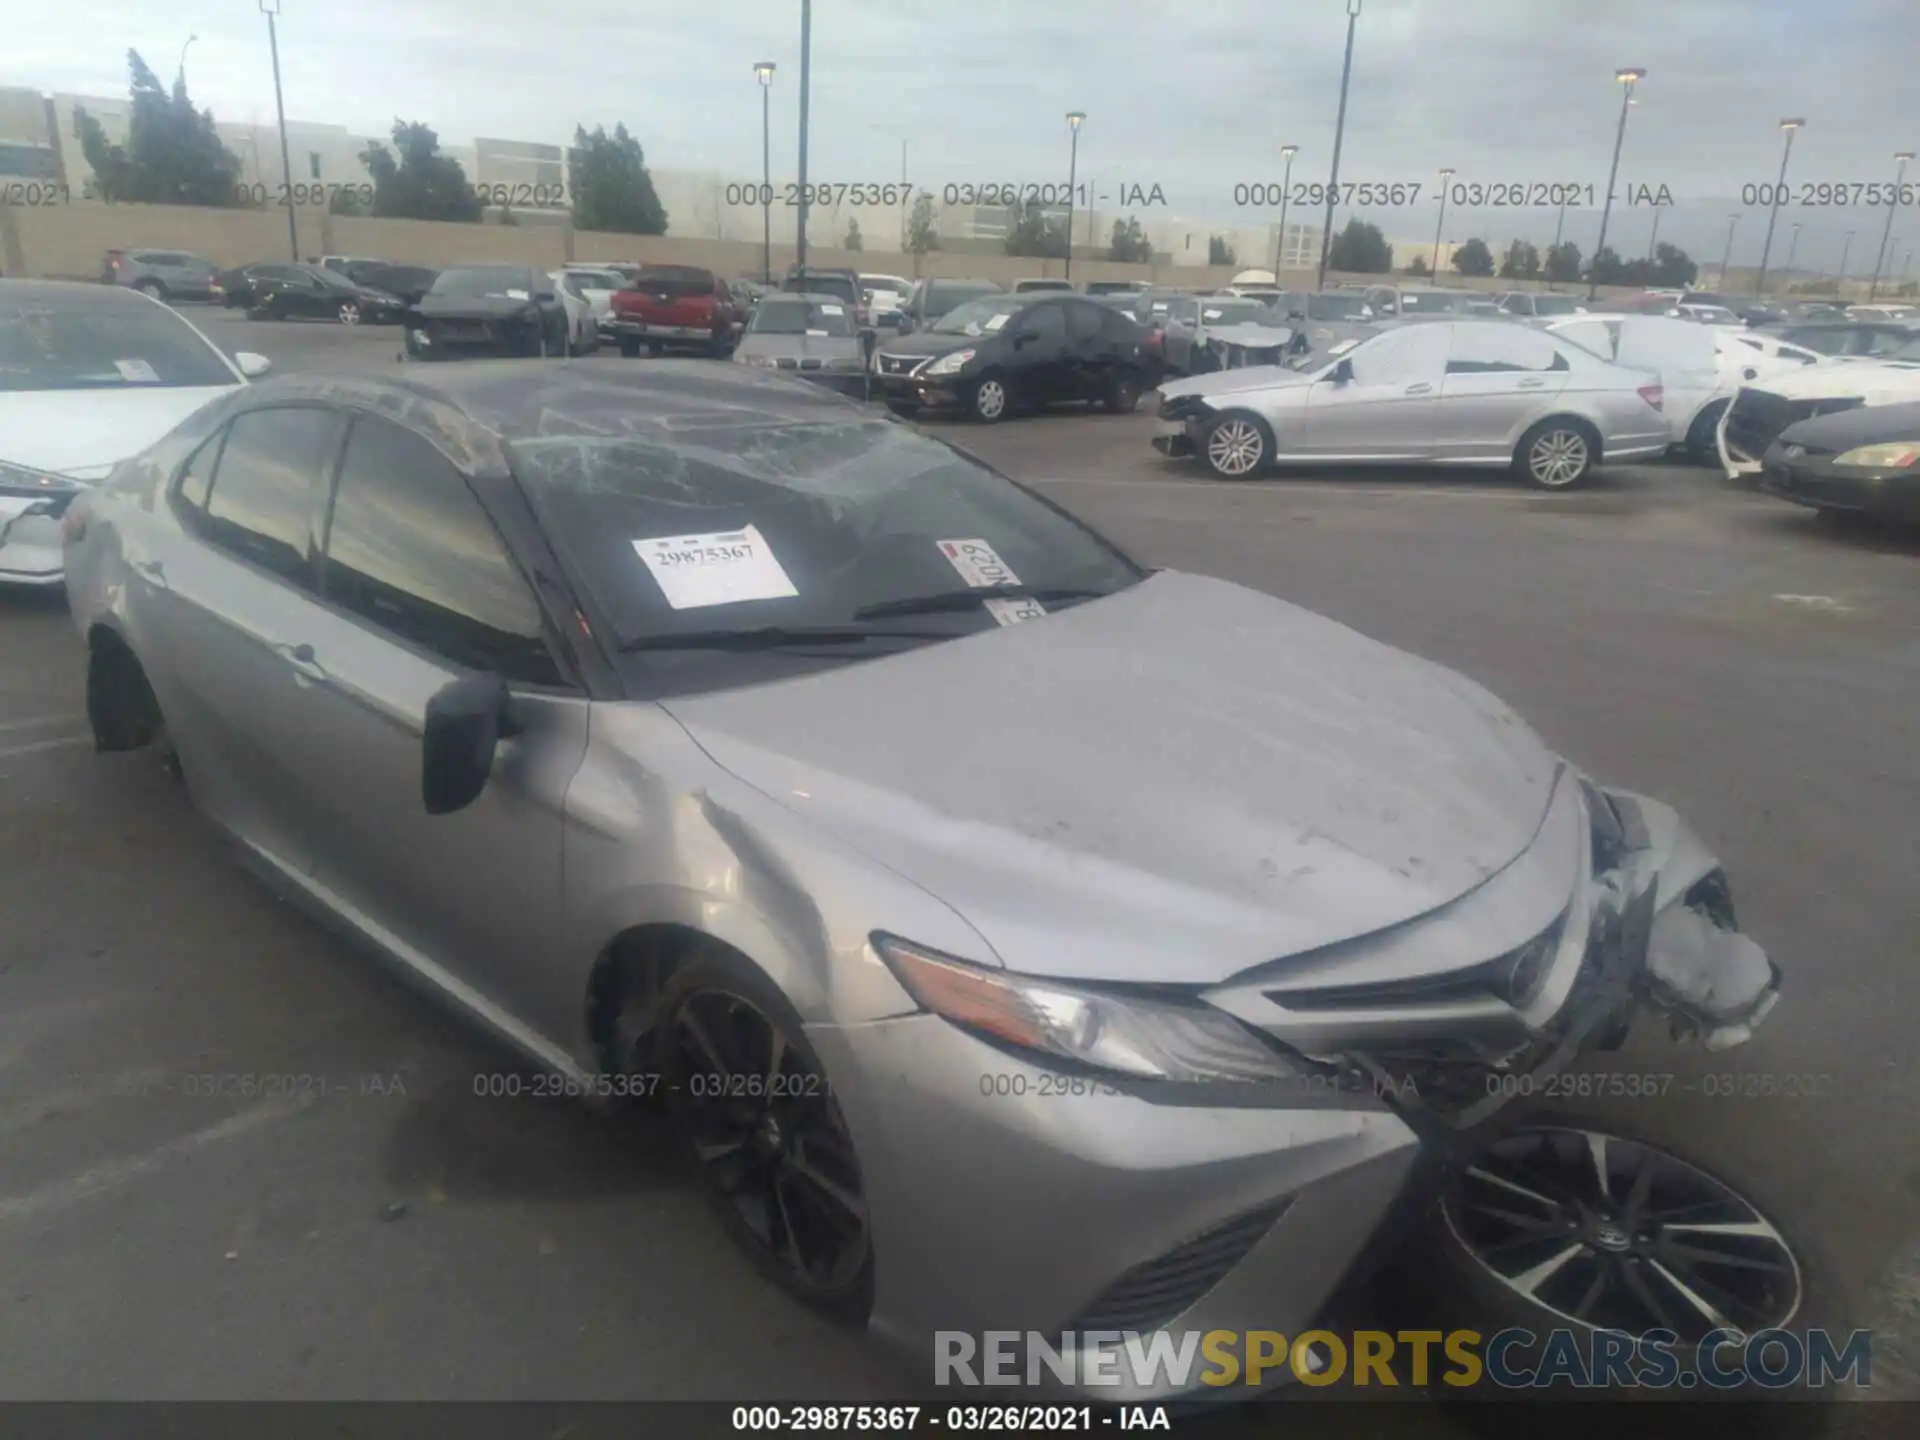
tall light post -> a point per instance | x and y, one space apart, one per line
1339 134
1446 177
1653 240
1846 248
1793 244
1075 119
182 69
1627 78
1727 258
1287 152
763 72
1901 157
1559 226
1791 127
806 75
270 9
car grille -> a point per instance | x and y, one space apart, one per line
1155 1291
788 362
898 364
1758 416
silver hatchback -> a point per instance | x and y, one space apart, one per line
1026 940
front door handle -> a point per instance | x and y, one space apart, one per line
301 659
153 572
1421 389
1532 384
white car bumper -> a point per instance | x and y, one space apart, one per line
31 548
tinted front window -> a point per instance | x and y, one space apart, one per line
489 280
674 280
1047 321
78 341
795 315
1556 305
266 488
410 549
853 512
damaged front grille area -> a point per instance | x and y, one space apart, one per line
1156 1291
1758 416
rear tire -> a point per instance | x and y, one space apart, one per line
1123 394
1237 446
151 288
1702 447
1556 454
629 348
348 313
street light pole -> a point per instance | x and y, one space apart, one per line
1558 226
763 72
1901 157
182 70
1653 240
1287 153
1628 78
1727 258
1446 176
1339 134
806 74
1779 194
1075 118
1793 244
271 8
1846 247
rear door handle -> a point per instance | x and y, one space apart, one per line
153 572
1421 389
301 659
1532 384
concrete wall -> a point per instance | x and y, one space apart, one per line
68 241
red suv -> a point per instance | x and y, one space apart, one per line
682 306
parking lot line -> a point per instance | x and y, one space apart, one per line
38 745
38 722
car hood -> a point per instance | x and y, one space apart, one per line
473 307
801 347
1249 333
1187 768
1227 382
82 433
1868 425
1876 382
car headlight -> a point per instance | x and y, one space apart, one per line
1882 457
1126 1035
949 364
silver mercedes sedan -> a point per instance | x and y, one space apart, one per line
1449 392
1025 939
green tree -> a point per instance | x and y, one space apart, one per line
1563 262
1521 262
612 191
1220 251
1672 266
853 240
1473 258
1031 231
1418 266
1607 268
422 184
1130 244
922 234
173 155
1360 249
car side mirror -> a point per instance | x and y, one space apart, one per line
251 365
546 295
466 720
1343 372
1024 336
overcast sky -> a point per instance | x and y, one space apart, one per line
1195 95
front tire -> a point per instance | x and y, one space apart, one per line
349 313
629 348
1237 446
151 288
1702 448
989 400
771 1143
1123 394
1556 454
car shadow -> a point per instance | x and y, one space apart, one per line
1837 528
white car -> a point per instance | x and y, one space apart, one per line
583 324
1717 317
1881 312
597 284
1700 367
885 296
1762 409
90 375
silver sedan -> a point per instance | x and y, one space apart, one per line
1191 321
1025 940
1449 392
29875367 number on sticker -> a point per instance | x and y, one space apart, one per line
722 568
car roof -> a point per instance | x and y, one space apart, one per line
76 290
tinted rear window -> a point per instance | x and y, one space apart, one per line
676 280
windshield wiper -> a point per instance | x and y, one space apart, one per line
972 595
769 637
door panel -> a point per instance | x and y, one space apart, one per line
1388 410
1040 371
1500 378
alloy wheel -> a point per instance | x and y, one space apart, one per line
1558 458
349 313
770 1137
990 400
1235 448
1612 1233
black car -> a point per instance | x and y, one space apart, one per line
1864 460
930 299
1000 353
476 310
235 288
308 292
410 282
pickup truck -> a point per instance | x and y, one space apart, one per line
679 306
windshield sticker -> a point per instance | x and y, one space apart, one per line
832 310
724 568
1012 612
516 295
817 334
994 322
978 563
138 371
1209 314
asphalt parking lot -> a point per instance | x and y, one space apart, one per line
1753 664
